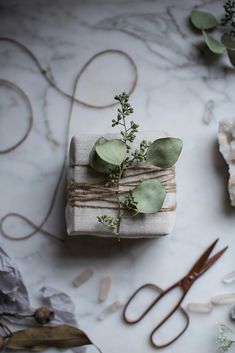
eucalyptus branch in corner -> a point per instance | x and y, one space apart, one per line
206 22
114 157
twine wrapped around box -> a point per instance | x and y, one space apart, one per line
89 197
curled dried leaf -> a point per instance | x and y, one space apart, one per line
39 338
2 342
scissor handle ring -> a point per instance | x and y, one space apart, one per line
124 315
125 318
174 339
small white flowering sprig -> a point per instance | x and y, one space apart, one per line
224 338
114 157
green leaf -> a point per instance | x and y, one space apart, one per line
203 20
213 44
38 338
112 151
228 41
96 162
164 152
149 195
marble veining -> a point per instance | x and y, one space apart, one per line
177 79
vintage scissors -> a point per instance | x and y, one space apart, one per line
200 267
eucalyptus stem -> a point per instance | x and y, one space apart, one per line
128 135
119 216
121 168
114 157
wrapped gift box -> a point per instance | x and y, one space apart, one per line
81 216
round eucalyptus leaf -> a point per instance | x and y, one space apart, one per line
228 41
164 152
203 20
96 162
112 151
213 44
149 195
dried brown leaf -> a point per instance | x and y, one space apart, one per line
39 338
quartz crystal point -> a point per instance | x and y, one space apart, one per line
83 277
104 288
223 299
208 112
226 137
229 277
110 310
199 308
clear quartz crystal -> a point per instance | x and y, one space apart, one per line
208 112
199 307
113 308
223 299
229 277
104 288
83 277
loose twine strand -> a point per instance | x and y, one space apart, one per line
73 100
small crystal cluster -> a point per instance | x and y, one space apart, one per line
226 138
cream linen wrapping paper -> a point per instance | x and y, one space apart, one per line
83 221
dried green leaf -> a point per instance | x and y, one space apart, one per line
213 44
164 152
112 151
203 20
96 162
39 338
149 196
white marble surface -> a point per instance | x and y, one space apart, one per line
175 83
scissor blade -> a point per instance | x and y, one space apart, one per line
212 260
203 258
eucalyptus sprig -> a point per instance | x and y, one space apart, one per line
114 157
207 22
